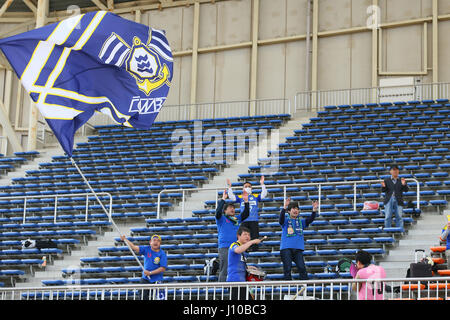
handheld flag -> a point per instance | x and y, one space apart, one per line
95 62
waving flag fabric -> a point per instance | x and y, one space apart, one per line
95 62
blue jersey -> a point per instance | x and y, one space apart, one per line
227 230
236 264
253 202
448 240
292 233
152 261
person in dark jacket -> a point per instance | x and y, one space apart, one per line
227 226
393 188
292 240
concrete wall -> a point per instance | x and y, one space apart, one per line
344 59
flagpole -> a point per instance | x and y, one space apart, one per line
104 209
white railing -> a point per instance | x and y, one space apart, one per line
335 289
212 110
285 186
316 100
55 205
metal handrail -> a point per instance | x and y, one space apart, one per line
335 289
285 186
315 100
56 196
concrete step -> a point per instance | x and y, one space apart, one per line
423 235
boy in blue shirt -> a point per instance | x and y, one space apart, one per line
236 261
445 237
227 226
252 222
292 240
155 261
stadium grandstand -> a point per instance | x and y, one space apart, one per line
309 100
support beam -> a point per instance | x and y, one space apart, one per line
42 13
100 5
110 4
375 48
308 47
137 16
435 42
31 6
315 46
5 6
8 129
7 103
194 69
254 58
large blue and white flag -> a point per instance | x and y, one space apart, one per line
95 62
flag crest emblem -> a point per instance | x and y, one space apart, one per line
93 63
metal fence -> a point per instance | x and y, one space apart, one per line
53 198
316 100
285 187
435 288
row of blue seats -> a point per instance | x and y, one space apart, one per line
209 216
11 272
116 206
8 262
37 175
125 174
308 232
90 217
351 162
290 178
420 121
363 141
331 206
403 105
60 191
356 154
369 157
47 233
412 146
140 149
305 171
370 118
442 119
302 147
13 159
31 251
311 127
364 135
130 258
101 169
315 242
321 223
116 128
222 126
122 154
382 112
358 170
406 111
164 136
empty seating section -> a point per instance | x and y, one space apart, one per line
342 144
8 164
131 165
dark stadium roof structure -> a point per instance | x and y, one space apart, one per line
61 5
